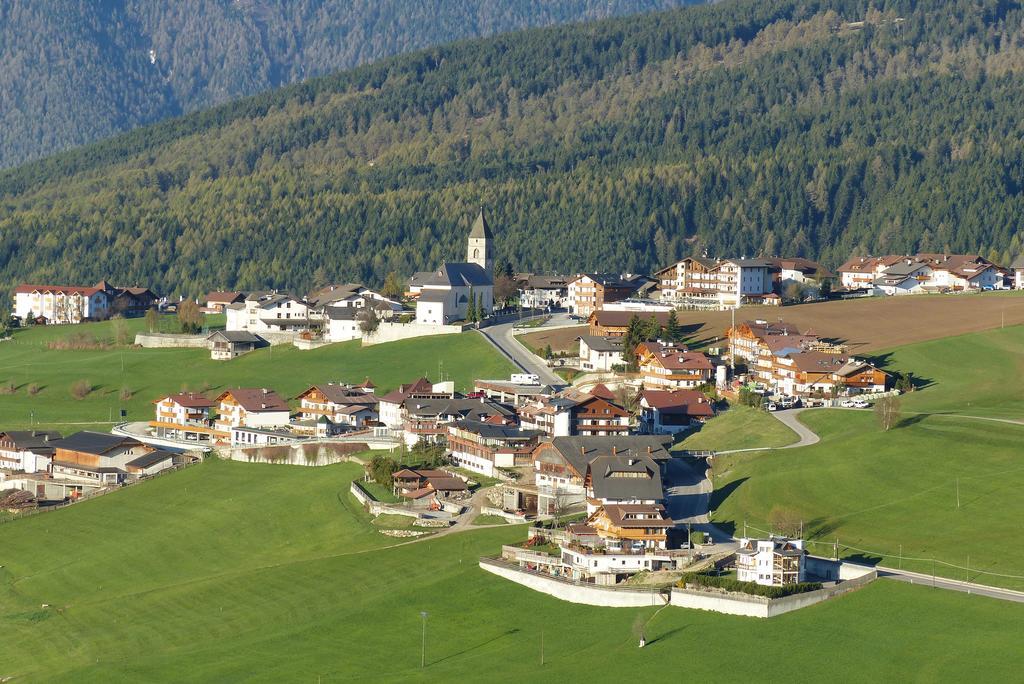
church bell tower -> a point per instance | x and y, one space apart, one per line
479 248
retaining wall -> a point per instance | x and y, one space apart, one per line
760 606
392 332
510 517
575 592
168 340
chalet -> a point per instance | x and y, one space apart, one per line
607 323
250 407
104 458
515 392
341 404
572 412
600 353
920 273
539 291
747 338
225 345
185 416
427 420
219 301
821 373
484 446
631 526
670 412
131 302
74 304
27 451
664 365
427 488
270 312
771 562
588 292
624 469
697 282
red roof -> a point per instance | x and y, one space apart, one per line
256 399
601 391
691 402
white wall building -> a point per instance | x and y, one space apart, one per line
445 296
772 562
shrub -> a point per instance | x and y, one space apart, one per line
125 394
80 389
753 588
8 387
32 389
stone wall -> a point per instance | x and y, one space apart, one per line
169 340
575 592
392 332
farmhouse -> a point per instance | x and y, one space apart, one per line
219 301
588 292
106 458
342 404
27 451
600 353
573 412
428 488
225 345
607 323
484 446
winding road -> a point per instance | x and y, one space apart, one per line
502 336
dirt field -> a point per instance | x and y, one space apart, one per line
868 324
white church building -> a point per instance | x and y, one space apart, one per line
445 294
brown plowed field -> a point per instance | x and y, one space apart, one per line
868 324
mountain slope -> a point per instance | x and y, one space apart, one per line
74 71
746 127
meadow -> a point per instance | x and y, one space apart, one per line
740 427
937 486
230 571
131 378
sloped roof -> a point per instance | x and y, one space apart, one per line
255 400
481 229
240 336
403 392
620 319
623 477
602 344
189 400
493 431
459 274
688 402
342 394
579 451
97 443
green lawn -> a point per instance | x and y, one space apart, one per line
149 373
489 520
876 491
380 492
239 572
741 427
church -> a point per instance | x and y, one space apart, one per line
445 293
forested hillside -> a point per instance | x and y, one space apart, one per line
746 127
75 71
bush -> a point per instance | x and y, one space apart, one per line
32 389
80 389
381 469
125 394
753 588
8 387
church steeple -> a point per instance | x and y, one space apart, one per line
478 250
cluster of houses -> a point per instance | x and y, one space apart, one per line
42 304
928 273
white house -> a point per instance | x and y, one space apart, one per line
772 562
600 353
1018 272
268 312
250 407
445 296
29 451
61 303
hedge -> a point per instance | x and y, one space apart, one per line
729 584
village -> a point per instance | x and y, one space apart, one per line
586 447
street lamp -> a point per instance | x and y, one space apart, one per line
423 640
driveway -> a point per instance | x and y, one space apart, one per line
688 496
503 338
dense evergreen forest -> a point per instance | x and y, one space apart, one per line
814 128
75 71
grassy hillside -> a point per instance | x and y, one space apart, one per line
148 373
875 491
742 127
235 572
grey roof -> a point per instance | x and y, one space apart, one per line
616 280
626 477
420 277
341 313
238 336
481 229
602 344
471 409
903 268
460 274
150 459
1018 262
492 431
37 441
98 443
276 299
751 263
580 451
434 295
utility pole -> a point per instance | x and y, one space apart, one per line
542 647
901 556
958 493
423 640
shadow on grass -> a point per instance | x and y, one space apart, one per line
667 635
863 558
473 648
720 494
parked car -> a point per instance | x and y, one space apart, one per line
861 403
772 406
847 403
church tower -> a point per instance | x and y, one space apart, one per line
479 249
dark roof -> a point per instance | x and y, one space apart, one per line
32 440
341 313
492 431
343 394
481 229
236 336
465 409
602 344
686 402
434 295
98 443
615 280
418 386
624 477
225 297
460 274
150 459
580 451
620 319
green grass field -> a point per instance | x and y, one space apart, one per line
149 373
741 427
877 491
238 572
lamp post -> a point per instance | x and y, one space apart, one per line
423 640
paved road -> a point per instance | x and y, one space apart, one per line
501 336
788 418
950 585
688 497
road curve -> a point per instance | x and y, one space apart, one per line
503 338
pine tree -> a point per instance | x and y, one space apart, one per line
673 333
